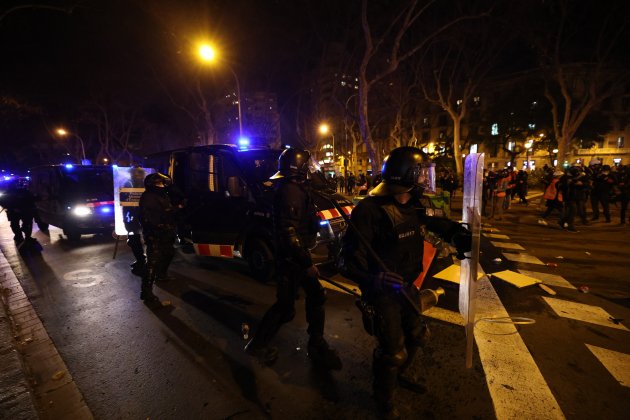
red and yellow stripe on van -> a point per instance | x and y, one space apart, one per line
214 250
334 213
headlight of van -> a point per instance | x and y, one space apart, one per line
81 211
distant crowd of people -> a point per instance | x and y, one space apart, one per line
565 192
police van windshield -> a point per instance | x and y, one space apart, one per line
259 165
82 181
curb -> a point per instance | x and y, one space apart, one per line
55 394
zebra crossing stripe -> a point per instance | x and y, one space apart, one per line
517 387
522 258
548 279
582 312
507 245
495 236
618 364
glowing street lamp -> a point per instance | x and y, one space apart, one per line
324 129
208 54
528 146
62 132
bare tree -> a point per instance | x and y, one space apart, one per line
581 73
387 48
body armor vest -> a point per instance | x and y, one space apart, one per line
403 245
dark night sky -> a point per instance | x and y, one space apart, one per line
53 62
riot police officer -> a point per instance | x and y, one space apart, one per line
382 252
295 225
131 219
20 207
158 220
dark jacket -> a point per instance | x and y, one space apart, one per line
295 222
157 213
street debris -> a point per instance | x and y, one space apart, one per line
547 289
584 289
58 375
516 279
616 321
553 265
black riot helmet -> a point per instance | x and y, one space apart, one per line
156 181
293 163
401 171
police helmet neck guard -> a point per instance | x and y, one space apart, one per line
293 164
401 172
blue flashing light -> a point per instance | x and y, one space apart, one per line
114 166
106 209
243 142
323 222
7 178
28 177
69 166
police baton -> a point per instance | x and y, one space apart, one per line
339 285
374 255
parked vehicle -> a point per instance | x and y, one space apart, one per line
76 198
229 203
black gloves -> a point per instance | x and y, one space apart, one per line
386 281
462 241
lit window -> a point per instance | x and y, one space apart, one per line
476 100
555 162
459 102
620 142
617 161
473 148
531 126
495 129
511 145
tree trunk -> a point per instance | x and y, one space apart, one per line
457 153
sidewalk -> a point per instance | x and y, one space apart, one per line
34 380
16 400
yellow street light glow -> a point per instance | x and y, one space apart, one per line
61 131
207 53
323 128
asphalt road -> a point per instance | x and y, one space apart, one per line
186 360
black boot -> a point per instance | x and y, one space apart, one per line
323 356
146 292
406 378
139 268
384 387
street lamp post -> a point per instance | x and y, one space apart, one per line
62 133
325 129
528 146
208 55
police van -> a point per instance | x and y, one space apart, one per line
76 198
229 203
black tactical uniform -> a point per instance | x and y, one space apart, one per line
157 217
131 219
624 187
295 228
391 221
602 186
20 207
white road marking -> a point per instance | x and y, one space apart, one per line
79 278
548 279
582 312
516 385
495 236
507 245
523 258
445 315
618 364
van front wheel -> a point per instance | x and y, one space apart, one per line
260 259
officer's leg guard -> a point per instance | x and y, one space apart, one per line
318 350
416 336
135 243
15 228
146 288
386 367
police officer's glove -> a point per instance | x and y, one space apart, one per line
387 281
462 241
